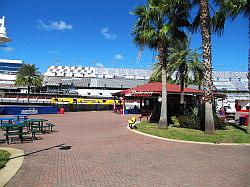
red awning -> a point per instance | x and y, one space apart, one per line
156 88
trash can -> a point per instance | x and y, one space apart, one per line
121 110
244 120
61 111
246 116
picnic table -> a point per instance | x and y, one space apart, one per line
8 119
36 123
13 129
21 117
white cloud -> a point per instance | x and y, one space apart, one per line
7 49
54 25
118 57
100 65
53 52
107 34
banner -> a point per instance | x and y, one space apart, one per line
28 110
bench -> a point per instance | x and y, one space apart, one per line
131 123
147 115
33 133
42 128
16 133
50 125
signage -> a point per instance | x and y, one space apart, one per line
29 111
139 93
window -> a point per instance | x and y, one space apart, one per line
88 93
100 93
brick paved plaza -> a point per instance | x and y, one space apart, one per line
105 153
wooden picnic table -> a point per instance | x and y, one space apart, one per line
8 128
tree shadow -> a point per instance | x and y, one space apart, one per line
61 146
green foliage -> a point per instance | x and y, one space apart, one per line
159 24
175 121
29 76
190 121
233 8
219 122
4 158
229 135
185 62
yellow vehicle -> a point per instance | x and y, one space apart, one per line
84 101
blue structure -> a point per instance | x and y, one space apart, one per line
28 110
10 66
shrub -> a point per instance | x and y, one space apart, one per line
175 121
4 158
219 123
189 122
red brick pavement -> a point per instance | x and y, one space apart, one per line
105 153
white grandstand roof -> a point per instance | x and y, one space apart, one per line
11 61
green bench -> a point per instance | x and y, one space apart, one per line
48 125
17 133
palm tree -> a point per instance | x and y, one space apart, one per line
185 64
233 8
214 23
159 24
29 76
207 64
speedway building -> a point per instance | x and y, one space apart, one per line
97 82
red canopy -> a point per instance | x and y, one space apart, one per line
156 88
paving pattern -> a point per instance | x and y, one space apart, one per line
105 153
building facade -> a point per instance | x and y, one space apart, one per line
8 70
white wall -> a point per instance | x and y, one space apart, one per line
7 77
96 92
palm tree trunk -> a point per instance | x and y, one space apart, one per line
28 94
182 97
182 82
207 63
248 126
163 123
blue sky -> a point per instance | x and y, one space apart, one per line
97 33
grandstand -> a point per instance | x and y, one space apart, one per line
102 82
223 80
230 81
97 72
91 87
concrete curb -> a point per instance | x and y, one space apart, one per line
12 165
184 141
